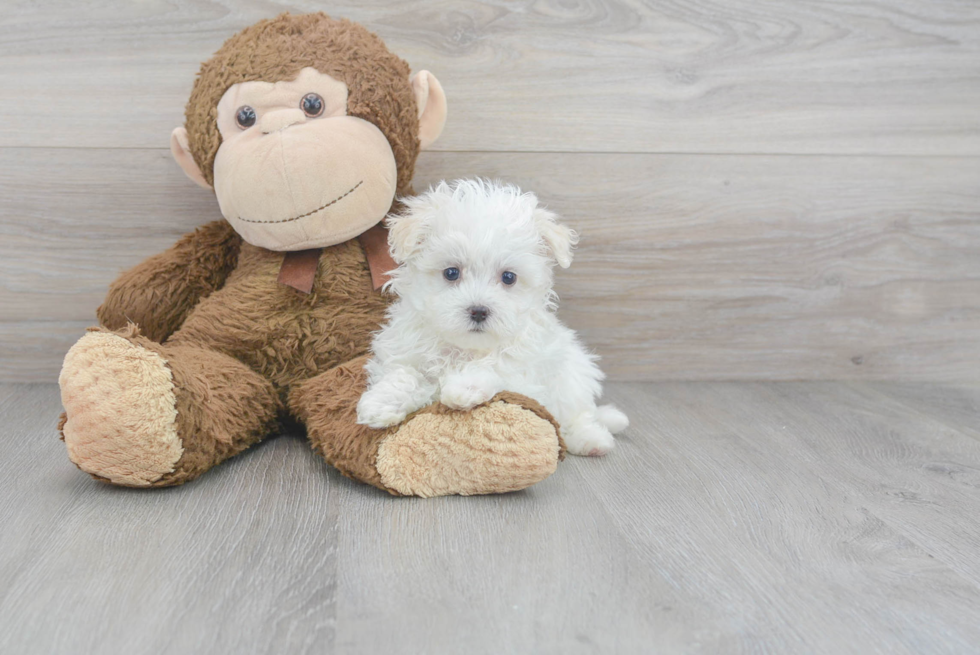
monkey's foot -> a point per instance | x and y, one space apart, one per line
120 421
509 443
506 444
144 414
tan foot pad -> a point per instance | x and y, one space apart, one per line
121 410
494 448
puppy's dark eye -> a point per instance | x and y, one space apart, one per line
508 278
312 105
245 117
451 273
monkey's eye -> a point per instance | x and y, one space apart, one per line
508 277
312 105
245 117
451 274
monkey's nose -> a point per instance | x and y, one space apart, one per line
280 119
479 313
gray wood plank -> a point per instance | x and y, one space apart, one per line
542 571
808 76
34 350
912 468
759 523
212 567
956 405
914 472
733 517
690 267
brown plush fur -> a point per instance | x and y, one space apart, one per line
223 407
159 293
242 349
327 404
281 333
278 49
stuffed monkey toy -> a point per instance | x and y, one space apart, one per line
307 129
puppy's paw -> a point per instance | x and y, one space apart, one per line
376 411
591 439
461 392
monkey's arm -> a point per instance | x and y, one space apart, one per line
158 293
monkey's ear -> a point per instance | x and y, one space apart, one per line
431 100
559 238
181 150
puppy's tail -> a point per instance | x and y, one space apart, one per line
614 420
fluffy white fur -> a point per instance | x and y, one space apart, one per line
432 348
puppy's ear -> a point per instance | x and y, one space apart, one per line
559 238
405 233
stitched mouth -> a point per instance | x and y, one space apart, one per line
309 213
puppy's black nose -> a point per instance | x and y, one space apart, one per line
479 313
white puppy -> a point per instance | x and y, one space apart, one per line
476 314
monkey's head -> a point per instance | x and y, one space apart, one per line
306 128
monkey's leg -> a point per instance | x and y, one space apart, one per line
143 414
504 445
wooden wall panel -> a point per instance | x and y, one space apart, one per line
690 267
766 190
748 76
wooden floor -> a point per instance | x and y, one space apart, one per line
734 517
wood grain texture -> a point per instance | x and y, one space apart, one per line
746 76
955 405
813 261
775 530
733 517
91 568
900 461
690 267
